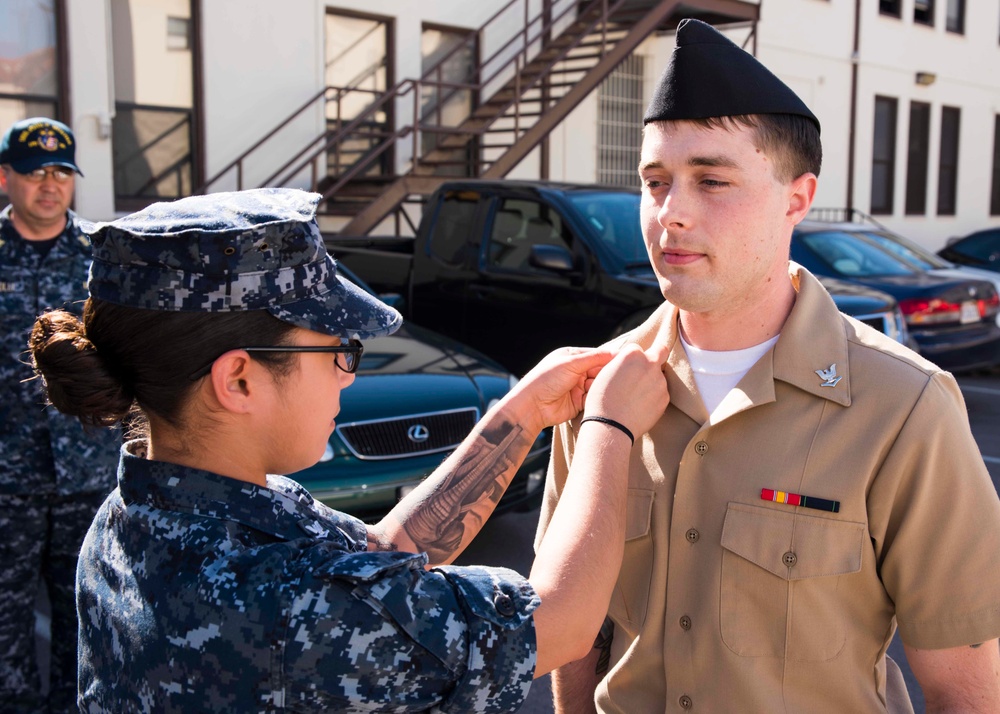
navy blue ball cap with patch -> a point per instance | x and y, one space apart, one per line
38 142
245 250
710 76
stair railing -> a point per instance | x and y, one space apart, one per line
520 59
525 38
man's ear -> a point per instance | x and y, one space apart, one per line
3 180
231 381
801 193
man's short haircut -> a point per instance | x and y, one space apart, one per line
791 140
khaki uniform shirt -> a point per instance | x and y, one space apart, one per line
729 603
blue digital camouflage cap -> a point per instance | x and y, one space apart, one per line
245 250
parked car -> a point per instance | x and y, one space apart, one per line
978 250
926 260
417 395
872 307
951 316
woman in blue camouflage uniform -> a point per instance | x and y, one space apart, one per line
206 584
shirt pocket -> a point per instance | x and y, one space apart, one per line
631 594
781 572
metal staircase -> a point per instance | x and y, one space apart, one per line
548 63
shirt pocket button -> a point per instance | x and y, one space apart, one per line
504 605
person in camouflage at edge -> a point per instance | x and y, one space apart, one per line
53 474
206 584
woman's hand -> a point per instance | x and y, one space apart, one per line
554 390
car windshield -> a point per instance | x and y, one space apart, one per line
853 255
907 250
983 246
614 217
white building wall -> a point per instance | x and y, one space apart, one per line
262 59
89 36
809 44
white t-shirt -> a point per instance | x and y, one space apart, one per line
716 373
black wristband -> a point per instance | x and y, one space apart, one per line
611 422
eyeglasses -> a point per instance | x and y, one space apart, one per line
59 173
352 352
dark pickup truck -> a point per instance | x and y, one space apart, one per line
516 269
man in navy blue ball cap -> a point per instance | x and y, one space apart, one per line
53 473
37 169
812 485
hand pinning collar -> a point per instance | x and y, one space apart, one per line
829 376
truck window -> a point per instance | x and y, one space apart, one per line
614 218
519 224
450 235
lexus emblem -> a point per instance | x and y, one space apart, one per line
418 433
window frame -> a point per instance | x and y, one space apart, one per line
195 118
928 19
60 101
620 107
889 160
958 27
891 8
995 188
947 201
917 159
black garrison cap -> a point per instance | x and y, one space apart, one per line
710 76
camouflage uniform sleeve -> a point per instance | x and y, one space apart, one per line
378 629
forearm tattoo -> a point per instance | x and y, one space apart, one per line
468 494
377 540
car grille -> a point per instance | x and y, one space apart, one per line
392 438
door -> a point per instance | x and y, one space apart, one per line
514 294
153 133
358 72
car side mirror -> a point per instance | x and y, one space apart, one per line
551 257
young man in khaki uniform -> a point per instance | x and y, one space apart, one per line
812 485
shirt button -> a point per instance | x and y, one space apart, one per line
685 623
685 702
503 604
701 448
692 535
789 559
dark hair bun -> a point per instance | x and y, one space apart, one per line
77 379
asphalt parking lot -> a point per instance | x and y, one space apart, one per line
507 539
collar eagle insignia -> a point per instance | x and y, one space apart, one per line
829 376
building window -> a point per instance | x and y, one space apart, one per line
448 96
955 16
620 107
358 71
153 133
923 12
178 33
890 7
995 193
883 155
948 163
30 59
916 158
